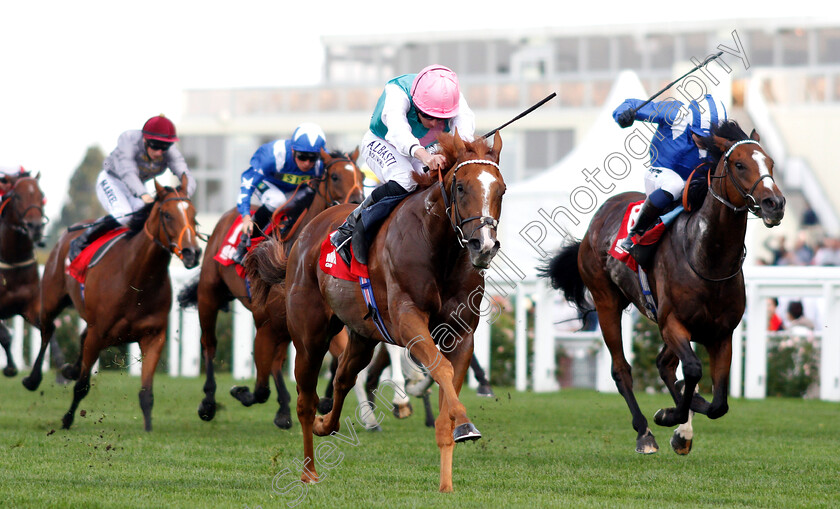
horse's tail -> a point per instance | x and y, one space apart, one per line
562 272
188 296
265 266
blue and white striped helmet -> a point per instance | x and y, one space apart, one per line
705 113
308 137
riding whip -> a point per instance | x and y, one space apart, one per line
669 85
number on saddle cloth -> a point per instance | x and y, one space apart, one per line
373 216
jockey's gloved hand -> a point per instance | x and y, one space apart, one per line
626 118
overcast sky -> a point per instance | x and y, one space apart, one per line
76 74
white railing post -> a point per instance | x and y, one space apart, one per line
243 342
481 346
521 337
174 340
190 343
830 345
736 371
545 362
17 341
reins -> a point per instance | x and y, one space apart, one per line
175 248
357 185
451 206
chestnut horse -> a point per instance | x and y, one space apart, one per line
126 296
21 228
218 284
695 278
422 278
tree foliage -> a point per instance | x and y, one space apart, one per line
80 203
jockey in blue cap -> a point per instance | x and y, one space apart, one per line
673 153
278 173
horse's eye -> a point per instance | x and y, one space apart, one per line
460 188
334 178
740 166
167 216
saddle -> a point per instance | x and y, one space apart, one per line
645 245
228 248
93 254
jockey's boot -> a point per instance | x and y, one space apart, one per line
647 218
341 238
293 208
92 233
138 218
260 219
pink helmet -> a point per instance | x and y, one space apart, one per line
435 91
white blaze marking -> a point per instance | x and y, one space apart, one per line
183 207
761 160
487 179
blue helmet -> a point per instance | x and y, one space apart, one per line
706 112
308 137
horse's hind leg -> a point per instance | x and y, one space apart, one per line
667 362
6 342
337 345
307 366
208 305
402 405
283 417
609 316
356 356
720 361
263 358
151 348
48 314
71 371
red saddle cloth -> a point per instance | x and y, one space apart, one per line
649 238
228 248
79 266
333 265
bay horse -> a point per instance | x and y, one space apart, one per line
126 297
423 269
21 229
217 285
695 277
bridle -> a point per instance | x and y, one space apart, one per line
175 248
12 195
451 205
357 185
750 203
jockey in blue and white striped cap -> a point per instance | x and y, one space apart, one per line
673 153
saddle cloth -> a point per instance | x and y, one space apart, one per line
228 248
332 264
648 239
93 254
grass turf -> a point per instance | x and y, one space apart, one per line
573 448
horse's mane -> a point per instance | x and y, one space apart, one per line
476 149
697 188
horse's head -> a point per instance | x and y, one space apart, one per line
472 192
171 223
343 180
23 207
745 174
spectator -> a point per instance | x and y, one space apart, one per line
802 251
775 322
777 253
796 317
828 254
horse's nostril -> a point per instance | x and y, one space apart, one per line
474 244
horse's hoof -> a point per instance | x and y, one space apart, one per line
403 411
373 429
646 444
466 432
70 372
325 405
283 421
485 391
206 411
31 382
67 421
10 371
680 444
240 392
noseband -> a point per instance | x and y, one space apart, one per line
12 195
750 203
174 247
452 205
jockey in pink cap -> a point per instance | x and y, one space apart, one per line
411 112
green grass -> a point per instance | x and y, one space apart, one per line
574 448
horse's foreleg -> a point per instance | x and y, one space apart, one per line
667 362
307 365
720 362
356 356
263 358
151 348
32 381
88 358
6 342
678 339
402 405
208 311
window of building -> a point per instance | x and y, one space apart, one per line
794 47
597 53
759 48
477 62
661 49
566 55
504 51
828 46
448 54
629 54
545 148
695 46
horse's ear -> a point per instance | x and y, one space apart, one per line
325 156
185 182
698 141
159 189
460 146
497 145
754 136
355 154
